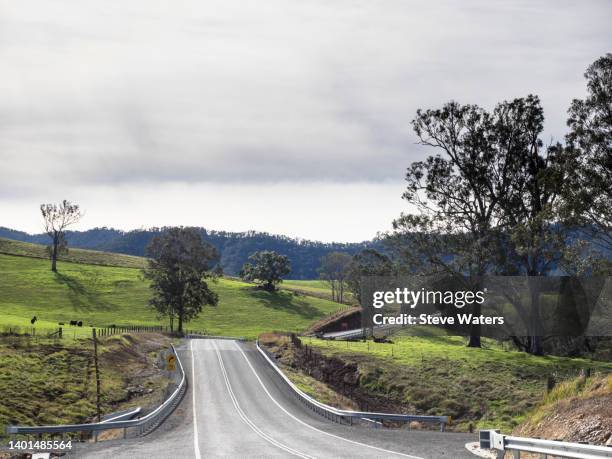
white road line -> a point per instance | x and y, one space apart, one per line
244 417
314 428
196 442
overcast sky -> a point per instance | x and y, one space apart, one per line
287 116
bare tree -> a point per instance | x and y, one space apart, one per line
57 218
333 270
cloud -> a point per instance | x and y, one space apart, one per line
245 93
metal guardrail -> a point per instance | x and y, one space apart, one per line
142 425
492 439
121 415
358 333
346 416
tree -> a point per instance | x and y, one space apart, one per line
588 190
267 268
368 262
536 240
487 205
456 193
179 264
57 218
333 270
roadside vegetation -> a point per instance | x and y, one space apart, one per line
588 399
53 381
489 387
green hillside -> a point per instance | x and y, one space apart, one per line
92 257
317 288
106 295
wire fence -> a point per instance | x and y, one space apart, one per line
77 331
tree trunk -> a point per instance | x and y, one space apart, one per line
54 253
474 336
475 329
536 347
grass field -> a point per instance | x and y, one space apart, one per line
92 257
104 295
313 285
317 288
489 387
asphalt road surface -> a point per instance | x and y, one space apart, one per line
237 407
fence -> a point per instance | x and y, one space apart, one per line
345 416
492 439
140 426
78 330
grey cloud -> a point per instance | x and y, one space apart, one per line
236 92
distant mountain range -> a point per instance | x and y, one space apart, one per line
235 248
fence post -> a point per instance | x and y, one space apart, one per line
95 342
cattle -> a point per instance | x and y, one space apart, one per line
80 323
73 323
61 323
34 319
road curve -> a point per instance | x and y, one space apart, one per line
236 406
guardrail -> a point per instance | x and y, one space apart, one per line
142 425
346 416
492 439
358 333
121 415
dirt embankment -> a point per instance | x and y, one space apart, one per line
576 410
135 359
53 382
344 378
346 319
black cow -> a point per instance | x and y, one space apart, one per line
34 319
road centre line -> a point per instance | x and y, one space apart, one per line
246 419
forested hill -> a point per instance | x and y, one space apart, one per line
235 248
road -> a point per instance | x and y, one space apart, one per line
236 406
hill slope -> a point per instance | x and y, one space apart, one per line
235 248
92 257
104 295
